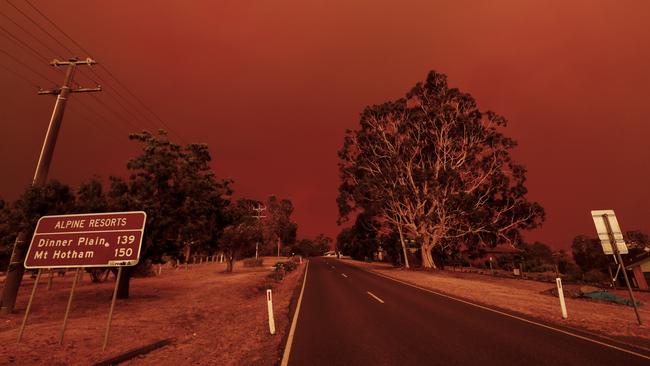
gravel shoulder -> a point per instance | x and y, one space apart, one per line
215 318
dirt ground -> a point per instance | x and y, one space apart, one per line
530 298
215 318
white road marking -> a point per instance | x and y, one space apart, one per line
515 317
344 275
294 322
376 298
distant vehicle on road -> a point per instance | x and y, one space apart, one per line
332 253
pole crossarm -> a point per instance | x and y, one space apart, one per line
57 91
73 61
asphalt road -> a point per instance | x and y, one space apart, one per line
349 316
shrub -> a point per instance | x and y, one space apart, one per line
290 266
596 276
287 266
253 262
276 275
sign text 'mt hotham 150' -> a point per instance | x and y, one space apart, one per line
87 240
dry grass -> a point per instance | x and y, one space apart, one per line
215 317
527 297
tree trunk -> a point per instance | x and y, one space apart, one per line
123 285
427 258
230 260
401 239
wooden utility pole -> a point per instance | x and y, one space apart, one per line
258 210
15 269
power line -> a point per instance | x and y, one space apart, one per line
29 33
103 104
20 76
135 118
129 102
20 43
26 66
40 27
143 104
108 127
57 28
107 72
109 91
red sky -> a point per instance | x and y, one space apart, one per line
271 86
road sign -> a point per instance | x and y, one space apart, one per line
599 217
611 238
87 240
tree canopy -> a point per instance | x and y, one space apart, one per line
435 167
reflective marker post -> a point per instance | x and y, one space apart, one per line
560 294
269 300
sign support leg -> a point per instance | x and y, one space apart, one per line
49 279
110 312
629 288
67 309
29 306
611 276
617 254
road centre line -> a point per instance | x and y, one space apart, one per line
513 316
376 298
294 322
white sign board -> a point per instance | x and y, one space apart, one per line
601 228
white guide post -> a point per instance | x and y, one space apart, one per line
561 295
269 301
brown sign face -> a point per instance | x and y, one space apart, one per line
87 240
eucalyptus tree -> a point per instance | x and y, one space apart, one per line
278 228
437 169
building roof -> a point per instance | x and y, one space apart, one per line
639 260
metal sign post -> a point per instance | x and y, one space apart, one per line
110 312
29 306
612 241
67 309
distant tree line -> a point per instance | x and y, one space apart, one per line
584 262
189 210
